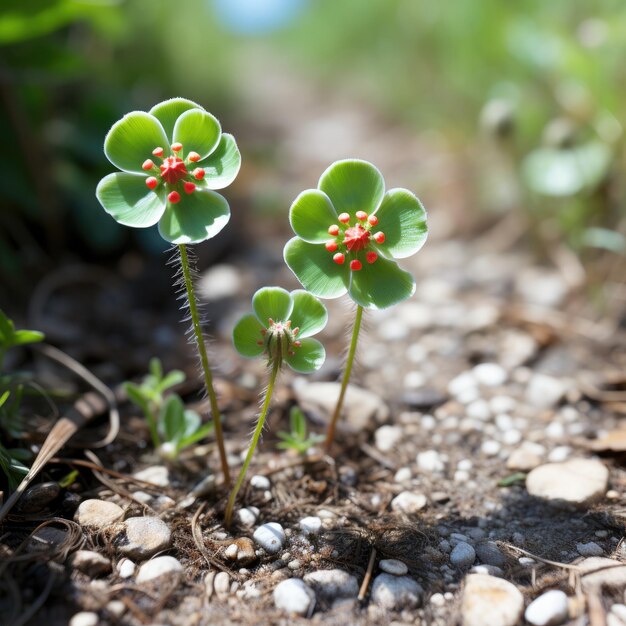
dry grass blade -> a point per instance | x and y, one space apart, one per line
368 576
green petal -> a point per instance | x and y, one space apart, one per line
314 267
309 314
403 220
126 199
131 141
311 214
222 165
310 356
168 111
198 131
353 185
381 284
246 333
272 302
197 217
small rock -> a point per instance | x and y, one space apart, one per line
260 482
619 610
246 553
270 537
492 570
600 571
430 461
221 585
231 552
461 384
423 399
294 596
126 568
489 554
248 516
84 618
46 539
393 566
589 549
98 514
490 600
158 475
577 481
116 608
490 447
409 502
526 457
160 566
331 584
549 609
490 374
386 437
38 497
205 487
311 525
402 475
141 537
90 563
463 555
545 392
396 593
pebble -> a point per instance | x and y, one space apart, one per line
560 454
437 599
607 572
492 570
489 554
205 487
463 383
525 458
502 404
157 475
490 374
490 600
393 566
396 593
141 537
577 481
463 555
98 514
430 461
386 437
294 596
248 516
490 447
479 410
270 537
260 482
231 552
409 502
423 399
619 610
589 549
331 584
160 566
221 585
90 563
549 609
37 497
116 608
126 568
84 618
311 525
544 392
402 475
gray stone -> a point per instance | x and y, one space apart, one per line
589 549
393 566
37 497
270 537
331 584
98 514
141 537
90 563
294 596
160 566
84 618
577 481
396 593
489 554
157 475
463 555
549 609
409 502
311 525
490 600
46 539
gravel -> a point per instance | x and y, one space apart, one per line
463 555
409 502
160 566
311 525
91 563
396 593
490 600
430 461
98 514
549 609
488 553
294 596
589 549
260 482
393 566
248 516
270 536
141 537
386 437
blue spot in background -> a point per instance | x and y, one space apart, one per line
257 16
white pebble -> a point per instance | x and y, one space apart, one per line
502 404
437 599
270 537
490 447
402 475
430 461
545 392
409 502
84 618
294 596
490 374
260 482
559 454
126 568
549 609
461 383
386 437
311 525
512 437
555 430
160 566
479 410
248 516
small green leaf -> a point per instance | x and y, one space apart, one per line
297 422
7 329
169 111
512 479
246 335
309 314
402 218
171 379
222 165
272 302
201 433
353 185
128 201
69 479
172 418
22 337
4 397
605 239
381 284
311 214
136 396
310 356
131 141
196 218
198 131
156 369
314 267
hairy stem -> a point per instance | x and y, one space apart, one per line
330 433
204 360
228 515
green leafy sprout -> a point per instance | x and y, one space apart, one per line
280 328
172 427
297 439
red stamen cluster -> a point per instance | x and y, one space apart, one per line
279 339
173 171
351 240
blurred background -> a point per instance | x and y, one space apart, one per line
505 118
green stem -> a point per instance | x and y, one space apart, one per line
204 360
228 515
152 427
330 433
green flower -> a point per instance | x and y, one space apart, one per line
172 158
281 327
349 233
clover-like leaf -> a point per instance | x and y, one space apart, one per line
222 165
309 314
272 302
198 217
311 214
246 336
308 357
198 131
168 111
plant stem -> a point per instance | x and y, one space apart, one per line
152 427
330 433
228 515
204 360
